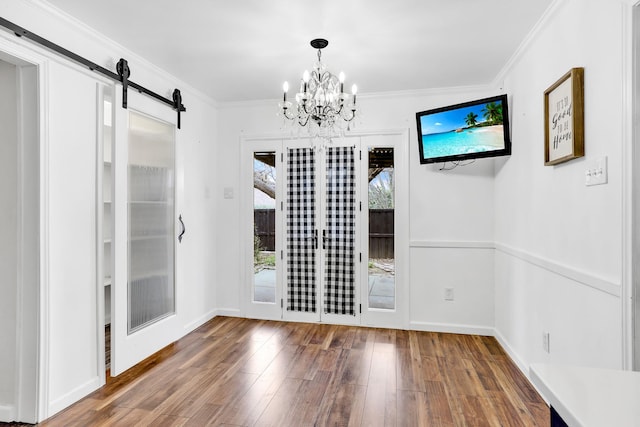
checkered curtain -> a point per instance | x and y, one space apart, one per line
339 285
301 223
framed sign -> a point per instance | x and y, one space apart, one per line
564 118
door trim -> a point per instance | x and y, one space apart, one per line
402 223
19 56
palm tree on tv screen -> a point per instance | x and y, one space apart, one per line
493 112
471 119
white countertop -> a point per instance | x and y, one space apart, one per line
589 396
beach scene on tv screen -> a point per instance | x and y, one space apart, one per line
466 130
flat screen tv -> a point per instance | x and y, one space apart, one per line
464 131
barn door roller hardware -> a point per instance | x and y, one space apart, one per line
122 68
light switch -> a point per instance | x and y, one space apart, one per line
597 173
228 192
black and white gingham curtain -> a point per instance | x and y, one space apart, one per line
301 223
339 284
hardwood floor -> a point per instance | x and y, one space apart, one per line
241 372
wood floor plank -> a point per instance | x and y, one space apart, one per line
247 409
380 401
343 337
346 406
277 412
438 409
242 372
304 409
410 367
304 367
411 408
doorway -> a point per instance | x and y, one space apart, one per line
322 229
19 249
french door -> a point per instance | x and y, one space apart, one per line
321 232
323 219
143 290
325 226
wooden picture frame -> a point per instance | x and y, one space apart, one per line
564 118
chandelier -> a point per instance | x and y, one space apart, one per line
321 106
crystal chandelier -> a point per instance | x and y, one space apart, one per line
321 106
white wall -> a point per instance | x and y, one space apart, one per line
557 266
451 212
559 243
72 244
198 250
69 114
8 234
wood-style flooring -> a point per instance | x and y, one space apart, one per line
241 372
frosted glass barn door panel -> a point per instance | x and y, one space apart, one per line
144 281
151 287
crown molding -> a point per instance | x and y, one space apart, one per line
110 46
498 81
417 93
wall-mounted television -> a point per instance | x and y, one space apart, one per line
464 131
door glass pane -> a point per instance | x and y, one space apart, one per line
338 236
381 269
301 231
264 226
151 292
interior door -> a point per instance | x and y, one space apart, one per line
144 230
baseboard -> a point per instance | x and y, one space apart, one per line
7 413
73 396
199 321
231 312
452 328
515 358
513 355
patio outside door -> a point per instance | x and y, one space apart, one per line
324 221
321 233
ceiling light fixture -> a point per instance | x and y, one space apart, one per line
321 106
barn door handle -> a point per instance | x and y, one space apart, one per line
184 229
324 239
315 238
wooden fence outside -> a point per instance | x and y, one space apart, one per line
265 228
380 231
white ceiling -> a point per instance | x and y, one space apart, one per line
236 50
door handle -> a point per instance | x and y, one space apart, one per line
184 229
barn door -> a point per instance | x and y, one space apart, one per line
145 231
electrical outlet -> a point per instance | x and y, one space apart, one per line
545 342
448 294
